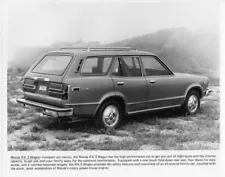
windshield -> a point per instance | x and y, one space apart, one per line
53 64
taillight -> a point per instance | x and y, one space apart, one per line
65 89
59 90
29 85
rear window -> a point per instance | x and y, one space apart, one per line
53 64
96 65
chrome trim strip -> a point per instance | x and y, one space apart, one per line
29 86
169 98
153 109
129 78
138 102
44 106
56 92
45 79
55 89
81 104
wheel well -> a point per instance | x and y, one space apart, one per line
197 89
118 99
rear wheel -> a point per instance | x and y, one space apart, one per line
109 115
192 102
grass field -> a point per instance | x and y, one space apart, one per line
28 129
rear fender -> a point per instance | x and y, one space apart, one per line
109 96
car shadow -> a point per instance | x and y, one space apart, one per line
162 114
88 126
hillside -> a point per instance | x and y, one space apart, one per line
24 57
181 49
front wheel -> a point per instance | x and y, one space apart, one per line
192 102
109 115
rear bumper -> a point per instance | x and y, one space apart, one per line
61 111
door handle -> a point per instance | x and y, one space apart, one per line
120 83
152 81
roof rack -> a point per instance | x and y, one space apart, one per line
98 48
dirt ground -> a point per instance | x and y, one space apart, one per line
28 129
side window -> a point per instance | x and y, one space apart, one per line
127 66
106 63
136 63
116 69
96 65
153 67
89 64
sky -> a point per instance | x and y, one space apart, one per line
41 24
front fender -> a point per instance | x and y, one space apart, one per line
195 85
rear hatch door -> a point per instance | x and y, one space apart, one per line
45 78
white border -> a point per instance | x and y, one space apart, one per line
143 171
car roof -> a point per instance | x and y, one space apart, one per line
72 51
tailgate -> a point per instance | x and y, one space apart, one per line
44 81
45 90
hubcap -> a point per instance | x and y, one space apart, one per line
192 103
110 116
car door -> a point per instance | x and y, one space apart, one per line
164 89
129 82
88 87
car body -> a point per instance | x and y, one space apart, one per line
107 83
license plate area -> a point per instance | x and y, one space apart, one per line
42 88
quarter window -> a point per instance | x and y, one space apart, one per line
96 65
153 67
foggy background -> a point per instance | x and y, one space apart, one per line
185 35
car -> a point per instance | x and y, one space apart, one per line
106 83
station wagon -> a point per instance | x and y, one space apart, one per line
106 83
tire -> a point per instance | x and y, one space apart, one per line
192 102
109 115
